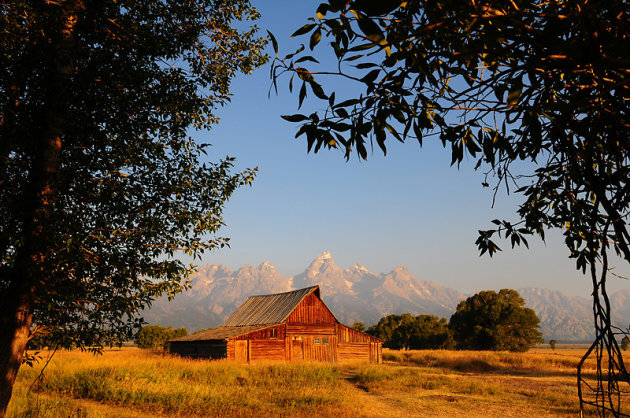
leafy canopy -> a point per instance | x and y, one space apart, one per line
495 321
416 333
155 336
122 84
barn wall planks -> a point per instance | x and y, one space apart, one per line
276 332
349 335
241 351
266 350
311 311
306 329
230 349
353 351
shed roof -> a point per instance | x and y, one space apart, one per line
268 309
220 333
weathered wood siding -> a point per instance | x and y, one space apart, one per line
200 349
295 348
376 352
241 351
355 345
266 350
312 348
311 311
230 349
349 335
265 334
308 329
354 351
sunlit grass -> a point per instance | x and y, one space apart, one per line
135 383
166 384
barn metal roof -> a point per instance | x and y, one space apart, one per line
268 309
220 333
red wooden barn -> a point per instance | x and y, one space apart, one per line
294 325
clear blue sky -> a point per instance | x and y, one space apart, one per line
409 208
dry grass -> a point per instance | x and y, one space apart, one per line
135 383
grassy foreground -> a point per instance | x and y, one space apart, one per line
134 383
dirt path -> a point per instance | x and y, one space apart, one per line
376 405
433 404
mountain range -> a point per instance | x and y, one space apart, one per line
357 294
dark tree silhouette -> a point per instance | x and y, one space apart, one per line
100 184
408 332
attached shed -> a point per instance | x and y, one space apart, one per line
293 325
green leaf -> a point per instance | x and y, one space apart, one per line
380 139
318 90
371 76
393 132
321 10
304 29
349 102
274 43
315 38
515 92
302 94
371 30
417 132
294 118
341 112
306 58
364 65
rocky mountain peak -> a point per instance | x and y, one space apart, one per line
323 264
267 266
358 268
401 270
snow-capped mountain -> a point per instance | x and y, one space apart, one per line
357 294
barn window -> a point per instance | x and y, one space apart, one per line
324 340
316 340
273 333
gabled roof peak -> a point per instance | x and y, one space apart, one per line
268 309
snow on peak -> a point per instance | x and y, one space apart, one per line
266 265
324 256
359 268
323 261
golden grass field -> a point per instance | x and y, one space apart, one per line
430 383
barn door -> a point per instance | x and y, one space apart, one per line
241 351
297 349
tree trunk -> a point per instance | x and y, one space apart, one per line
29 271
15 323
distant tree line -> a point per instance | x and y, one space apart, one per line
485 321
155 336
